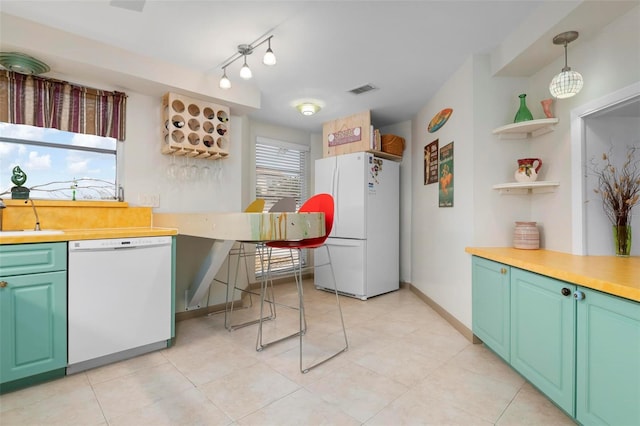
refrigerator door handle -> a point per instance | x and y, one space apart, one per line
336 195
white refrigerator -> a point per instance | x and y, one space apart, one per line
364 243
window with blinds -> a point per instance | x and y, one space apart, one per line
281 171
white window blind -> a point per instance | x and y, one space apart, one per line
281 171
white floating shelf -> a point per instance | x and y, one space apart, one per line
526 129
526 187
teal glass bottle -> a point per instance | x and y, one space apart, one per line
523 113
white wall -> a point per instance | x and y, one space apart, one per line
481 217
438 261
145 167
404 130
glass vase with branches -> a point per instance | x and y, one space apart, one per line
619 189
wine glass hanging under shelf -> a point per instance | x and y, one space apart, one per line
194 128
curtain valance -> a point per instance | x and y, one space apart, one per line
44 102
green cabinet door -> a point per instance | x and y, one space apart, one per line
608 360
543 334
33 324
490 304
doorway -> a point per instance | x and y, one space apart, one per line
609 125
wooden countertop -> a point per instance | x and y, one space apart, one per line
89 234
618 276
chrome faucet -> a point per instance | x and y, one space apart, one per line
37 227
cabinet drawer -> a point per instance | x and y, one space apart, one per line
20 259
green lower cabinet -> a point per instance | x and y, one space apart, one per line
608 360
580 347
543 334
490 301
33 314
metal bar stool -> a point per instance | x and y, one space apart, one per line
287 204
257 206
317 203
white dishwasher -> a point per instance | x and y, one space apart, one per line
120 301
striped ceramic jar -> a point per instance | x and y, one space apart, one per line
526 236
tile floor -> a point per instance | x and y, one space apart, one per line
405 365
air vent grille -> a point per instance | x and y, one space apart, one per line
363 89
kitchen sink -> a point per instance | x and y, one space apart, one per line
30 232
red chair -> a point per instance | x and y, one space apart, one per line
318 203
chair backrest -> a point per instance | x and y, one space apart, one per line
321 203
287 204
256 206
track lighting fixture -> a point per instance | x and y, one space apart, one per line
245 50
568 82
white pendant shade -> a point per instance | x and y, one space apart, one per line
269 58
225 83
245 72
566 84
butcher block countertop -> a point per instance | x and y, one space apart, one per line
618 276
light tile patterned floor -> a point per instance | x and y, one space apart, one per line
405 365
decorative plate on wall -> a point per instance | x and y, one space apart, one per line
439 119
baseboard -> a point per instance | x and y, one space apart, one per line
455 323
194 313
220 307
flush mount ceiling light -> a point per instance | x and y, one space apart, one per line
245 50
308 108
568 82
23 64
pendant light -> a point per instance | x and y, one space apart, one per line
245 71
225 83
568 83
269 58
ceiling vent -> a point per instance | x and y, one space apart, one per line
363 89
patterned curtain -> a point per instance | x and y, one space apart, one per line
44 102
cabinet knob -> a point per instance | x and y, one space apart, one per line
3 284
503 271
578 295
565 291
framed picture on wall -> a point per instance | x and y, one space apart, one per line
445 190
431 163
